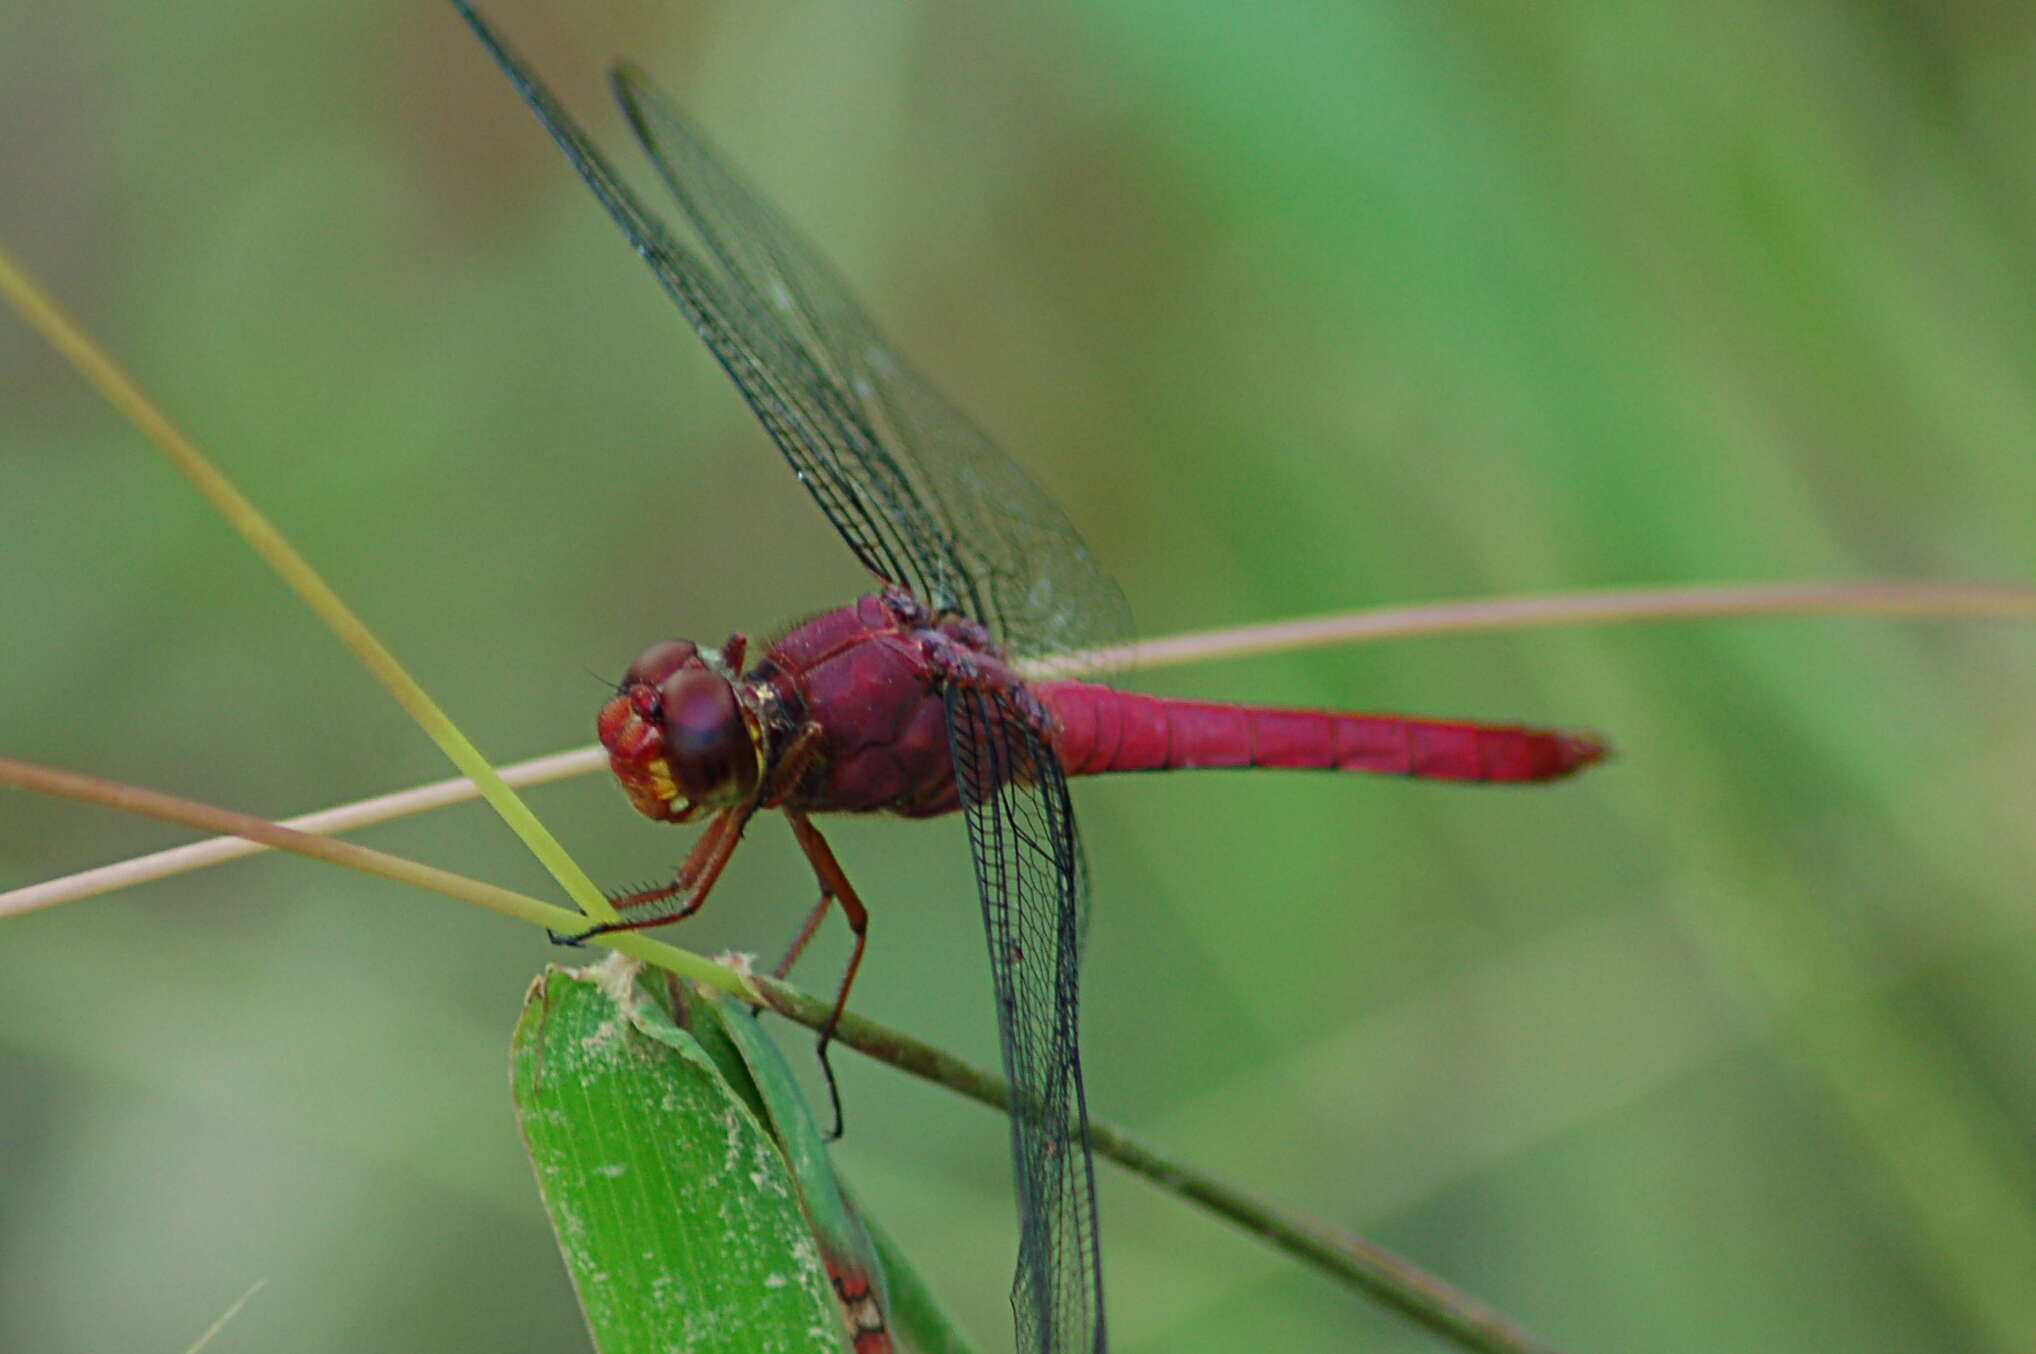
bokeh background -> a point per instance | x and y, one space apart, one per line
1297 307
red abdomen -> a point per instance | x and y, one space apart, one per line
1097 729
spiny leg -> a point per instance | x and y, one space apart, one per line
806 930
834 887
784 777
692 881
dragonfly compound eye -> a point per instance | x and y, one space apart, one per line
660 661
708 744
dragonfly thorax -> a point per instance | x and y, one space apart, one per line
679 737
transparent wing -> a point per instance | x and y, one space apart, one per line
919 492
1030 878
830 450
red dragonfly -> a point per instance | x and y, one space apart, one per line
905 701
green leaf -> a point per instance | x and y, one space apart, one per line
676 1214
879 1289
845 1246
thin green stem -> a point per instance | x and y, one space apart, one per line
113 383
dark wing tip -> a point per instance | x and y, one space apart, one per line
625 77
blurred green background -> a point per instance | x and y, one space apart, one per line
1296 307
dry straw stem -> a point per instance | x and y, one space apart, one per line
209 818
1926 601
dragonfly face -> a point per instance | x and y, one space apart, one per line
678 736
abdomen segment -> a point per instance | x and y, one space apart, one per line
1098 729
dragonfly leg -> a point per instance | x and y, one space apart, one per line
784 776
834 887
691 882
806 930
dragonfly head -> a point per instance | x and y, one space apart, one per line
677 734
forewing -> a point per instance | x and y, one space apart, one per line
1029 876
941 508
813 424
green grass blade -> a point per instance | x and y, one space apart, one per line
677 1217
861 1258
853 1268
